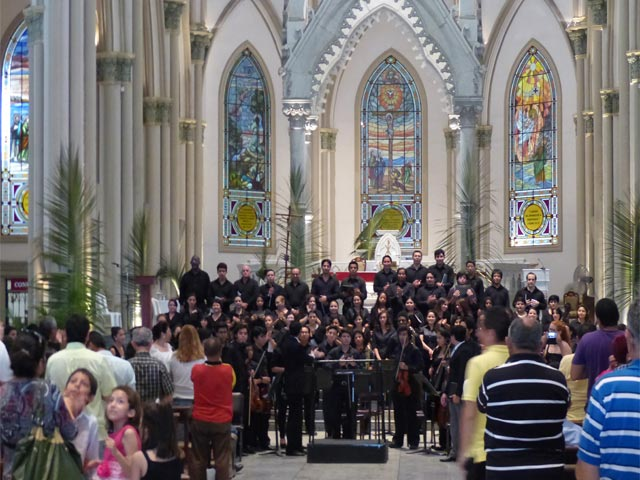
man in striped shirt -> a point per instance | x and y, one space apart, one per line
610 441
525 402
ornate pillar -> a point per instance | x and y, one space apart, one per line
187 136
633 58
483 139
114 70
578 36
155 112
137 107
598 17
200 43
172 21
587 117
452 140
610 102
621 140
298 111
325 186
34 17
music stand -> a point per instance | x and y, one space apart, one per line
273 388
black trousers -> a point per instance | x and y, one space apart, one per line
294 422
340 411
405 418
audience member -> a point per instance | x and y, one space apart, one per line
152 377
121 369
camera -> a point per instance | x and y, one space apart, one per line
552 338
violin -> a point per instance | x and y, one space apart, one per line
259 399
402 377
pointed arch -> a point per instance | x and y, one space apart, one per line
14 122
533 119
247 154
391 150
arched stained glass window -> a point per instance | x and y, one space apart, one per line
247 157
391 153
14 130
533 154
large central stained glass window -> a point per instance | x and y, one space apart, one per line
14 128
391 153
533 154
246 211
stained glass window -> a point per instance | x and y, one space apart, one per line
14 129
246 207
533 154
391 153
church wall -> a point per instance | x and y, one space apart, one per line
244 26
383 38
537 22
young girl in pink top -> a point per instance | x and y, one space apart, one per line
124 411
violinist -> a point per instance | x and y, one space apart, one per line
437 375
406 394
259 383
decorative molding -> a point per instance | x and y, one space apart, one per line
468 109
483 135
156 110
610 102
328 139
187 129
451 138
114 67
172 14
588 122
633 57
200 42
34 18
598 12
293 107
577 31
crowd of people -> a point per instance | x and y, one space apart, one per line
507 382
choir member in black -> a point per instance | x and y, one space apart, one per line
310 305
259 372
443 272
496 291
334 315
294 358
234 357
352 285
247 288
192 313
406 397
474 279
383 332
381 305
533 296
330 340
399 291
195 281
462 290
325 287
416 272
429 293
385 277
340 401
329 343
281 310
222 289
296 292
216 312
316 330
415 317
357 309
270 290
309 397
438 378
173 316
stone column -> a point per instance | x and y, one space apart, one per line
172 21
34 17
587 117
610 108
633 58
114 70
483 139
578 36
297 111
452 140
200 43
187 136
325 186
137 107
598 11
621 171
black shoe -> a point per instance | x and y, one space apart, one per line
414 447
248 450
296 453
448 459
395 445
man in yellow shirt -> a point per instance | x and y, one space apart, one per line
493 328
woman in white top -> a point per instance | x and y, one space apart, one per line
188 354
161 348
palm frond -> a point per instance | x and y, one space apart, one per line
138 256
172 268
71 249
366 241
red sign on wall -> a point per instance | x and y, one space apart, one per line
18 285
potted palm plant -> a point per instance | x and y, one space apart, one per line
139 260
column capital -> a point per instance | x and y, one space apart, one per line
598 12
328 139
34 18
483 134
468 110
114 67
200 42
156 110
610 101
587 116
296 107
187 130
172 14
451 137
577 32
633 57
